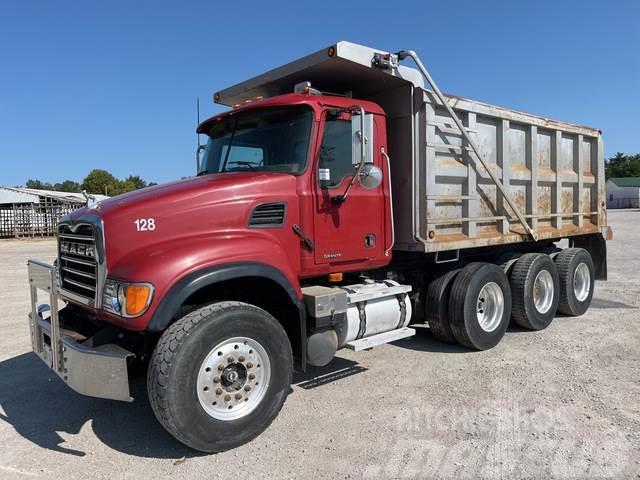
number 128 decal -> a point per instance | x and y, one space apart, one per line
145 224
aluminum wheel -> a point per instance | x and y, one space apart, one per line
543 291
490 307
581 282
233 378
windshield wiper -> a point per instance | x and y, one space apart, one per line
244 164
233 134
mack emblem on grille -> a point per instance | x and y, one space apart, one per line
80 249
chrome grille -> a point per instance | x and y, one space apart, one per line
77 260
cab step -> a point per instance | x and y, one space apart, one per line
380 339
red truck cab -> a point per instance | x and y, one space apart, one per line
265 195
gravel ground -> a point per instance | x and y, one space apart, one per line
564 402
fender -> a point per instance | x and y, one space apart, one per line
194 281
597 248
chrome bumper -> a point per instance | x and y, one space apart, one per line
94 371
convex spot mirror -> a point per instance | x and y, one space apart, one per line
370 176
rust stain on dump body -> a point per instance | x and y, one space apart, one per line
566 201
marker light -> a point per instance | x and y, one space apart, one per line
127 299
336 277
138 298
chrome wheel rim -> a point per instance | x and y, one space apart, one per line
490 307
543 291
233 378
581 282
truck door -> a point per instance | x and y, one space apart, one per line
351 232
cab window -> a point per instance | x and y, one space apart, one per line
335 153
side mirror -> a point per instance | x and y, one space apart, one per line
361 146
361 136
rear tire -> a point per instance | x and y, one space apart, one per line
535 291
220 375
576 274
480 306
437 306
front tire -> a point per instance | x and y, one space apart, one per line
220 375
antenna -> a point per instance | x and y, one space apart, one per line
198 119
198 147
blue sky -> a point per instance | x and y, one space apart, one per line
113 84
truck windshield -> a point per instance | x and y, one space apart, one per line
273 139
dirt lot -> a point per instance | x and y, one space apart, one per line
564 402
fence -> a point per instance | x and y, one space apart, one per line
33 219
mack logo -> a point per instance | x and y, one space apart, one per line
79 249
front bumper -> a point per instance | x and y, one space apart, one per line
96 371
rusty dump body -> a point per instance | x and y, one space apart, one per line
553 171
443 197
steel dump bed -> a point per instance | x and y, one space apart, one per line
443 196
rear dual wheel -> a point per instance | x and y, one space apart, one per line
480 306
437 306
577 280
535 289
472 306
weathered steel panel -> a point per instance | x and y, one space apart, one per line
551 170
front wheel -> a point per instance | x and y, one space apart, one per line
220 375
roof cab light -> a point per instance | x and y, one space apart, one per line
127 299
305 88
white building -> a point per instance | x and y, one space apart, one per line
623 192
27 212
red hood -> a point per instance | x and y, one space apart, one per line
187 189
200 206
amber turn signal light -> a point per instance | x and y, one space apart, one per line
137 299
335 277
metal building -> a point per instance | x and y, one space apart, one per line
27 212
623 192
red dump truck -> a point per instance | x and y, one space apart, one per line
340 200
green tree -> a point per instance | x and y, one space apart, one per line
136 181
97 181
101 182
123 186
37 184
68 186
621 165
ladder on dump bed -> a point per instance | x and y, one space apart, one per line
465 133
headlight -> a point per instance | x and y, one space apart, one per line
126 299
